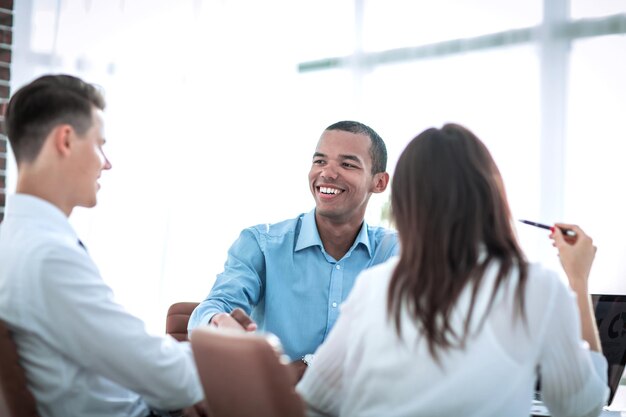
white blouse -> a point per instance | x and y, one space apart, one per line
365 369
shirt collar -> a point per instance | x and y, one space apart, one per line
363 238
35 209
309 236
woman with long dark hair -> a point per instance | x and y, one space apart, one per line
460 323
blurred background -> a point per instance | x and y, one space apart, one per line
215 108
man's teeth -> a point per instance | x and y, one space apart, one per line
326 190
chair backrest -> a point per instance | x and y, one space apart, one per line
16 400
177 318
242 375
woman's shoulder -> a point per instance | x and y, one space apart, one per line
379 274
375 279
546 284
539 271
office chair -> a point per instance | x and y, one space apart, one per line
177 318
242 375
16 400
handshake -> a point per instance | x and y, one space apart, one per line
238 320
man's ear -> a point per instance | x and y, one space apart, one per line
380 182
62 138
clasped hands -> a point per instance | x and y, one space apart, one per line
239 320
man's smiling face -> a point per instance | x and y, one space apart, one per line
340 178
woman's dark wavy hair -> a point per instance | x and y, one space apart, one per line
453 220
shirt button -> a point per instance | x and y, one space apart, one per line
338 266
334 305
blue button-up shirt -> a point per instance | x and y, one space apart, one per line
281 275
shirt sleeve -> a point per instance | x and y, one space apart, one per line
321 387
573 379
84 322
240 285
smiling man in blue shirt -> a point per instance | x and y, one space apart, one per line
292 276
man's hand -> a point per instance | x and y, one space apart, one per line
237 319
200 409
243 319
297 369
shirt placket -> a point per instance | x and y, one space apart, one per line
334 295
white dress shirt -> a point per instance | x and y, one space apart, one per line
364 369
84 354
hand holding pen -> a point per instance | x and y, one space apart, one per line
566 231
576 254
576 250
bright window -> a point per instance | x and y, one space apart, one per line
215 107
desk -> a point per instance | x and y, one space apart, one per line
618 407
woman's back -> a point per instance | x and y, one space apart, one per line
375 373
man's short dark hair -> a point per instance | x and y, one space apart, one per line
50 100
378 150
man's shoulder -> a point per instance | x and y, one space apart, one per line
277 229
26 238
381 230
382 234
383 243
34 261
26 247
